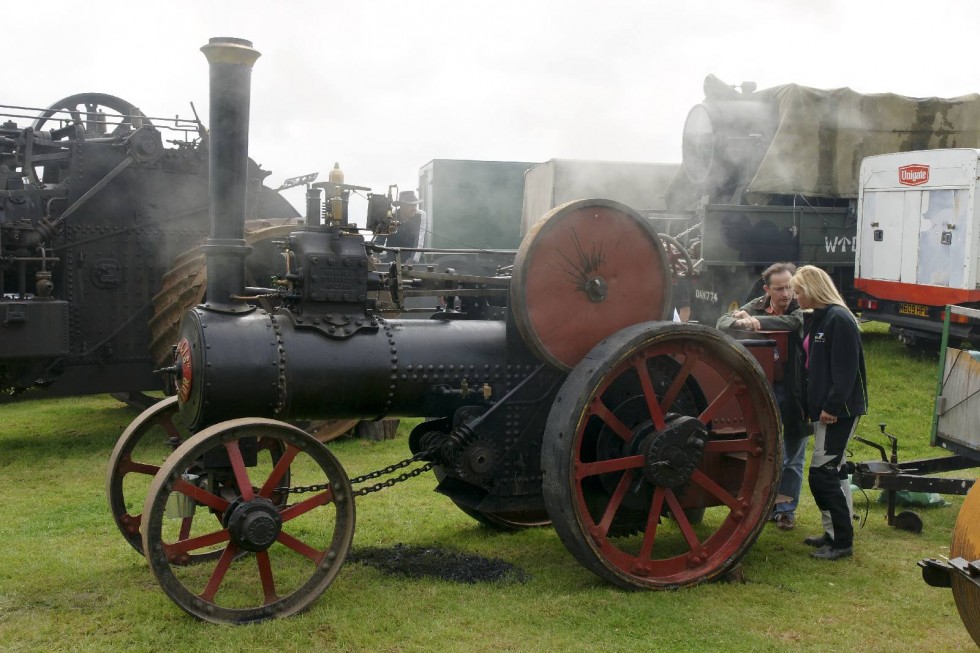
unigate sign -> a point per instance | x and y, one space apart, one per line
913 175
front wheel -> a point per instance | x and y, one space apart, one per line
283 526
662 420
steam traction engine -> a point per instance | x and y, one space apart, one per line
555 393
97 201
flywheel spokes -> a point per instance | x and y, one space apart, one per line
236 473
661 456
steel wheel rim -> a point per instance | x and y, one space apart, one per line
294 569
121 488
77 105
165 415
635 545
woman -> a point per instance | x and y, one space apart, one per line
837 395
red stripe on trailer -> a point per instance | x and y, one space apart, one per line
916 293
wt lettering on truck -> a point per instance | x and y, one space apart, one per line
843 242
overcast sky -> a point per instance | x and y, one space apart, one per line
384 86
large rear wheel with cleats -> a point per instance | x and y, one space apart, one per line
656 423
299 544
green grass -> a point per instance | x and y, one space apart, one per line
69 582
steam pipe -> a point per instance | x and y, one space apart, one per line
231 62
313 206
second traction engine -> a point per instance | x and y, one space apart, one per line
554 392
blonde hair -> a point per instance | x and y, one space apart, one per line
819 287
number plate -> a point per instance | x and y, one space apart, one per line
913 309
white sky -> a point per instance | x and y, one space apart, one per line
384 86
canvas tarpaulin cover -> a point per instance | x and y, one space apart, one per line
822 135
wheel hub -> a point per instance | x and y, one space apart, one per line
672 455
476 462
596 289
480 458
253 525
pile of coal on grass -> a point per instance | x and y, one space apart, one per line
453 566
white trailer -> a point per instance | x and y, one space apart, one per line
918 241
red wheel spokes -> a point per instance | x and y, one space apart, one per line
201 495
653 520
297 509
720 399
653 404
186 546
617 498
690 360
731 387
185 528
682 521
167 422
300 547
583 470
238 467
128 466
282 466
265 575
706 482
263 561
219 572
599 410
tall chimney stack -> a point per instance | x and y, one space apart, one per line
231 62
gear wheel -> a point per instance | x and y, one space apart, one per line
476 461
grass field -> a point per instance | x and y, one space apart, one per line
69 582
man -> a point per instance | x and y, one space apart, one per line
412 226
778 310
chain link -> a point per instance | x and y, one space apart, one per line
392 481
384 471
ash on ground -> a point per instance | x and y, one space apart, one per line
418 562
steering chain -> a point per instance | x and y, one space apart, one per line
384 471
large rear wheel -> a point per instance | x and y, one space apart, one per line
662 420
